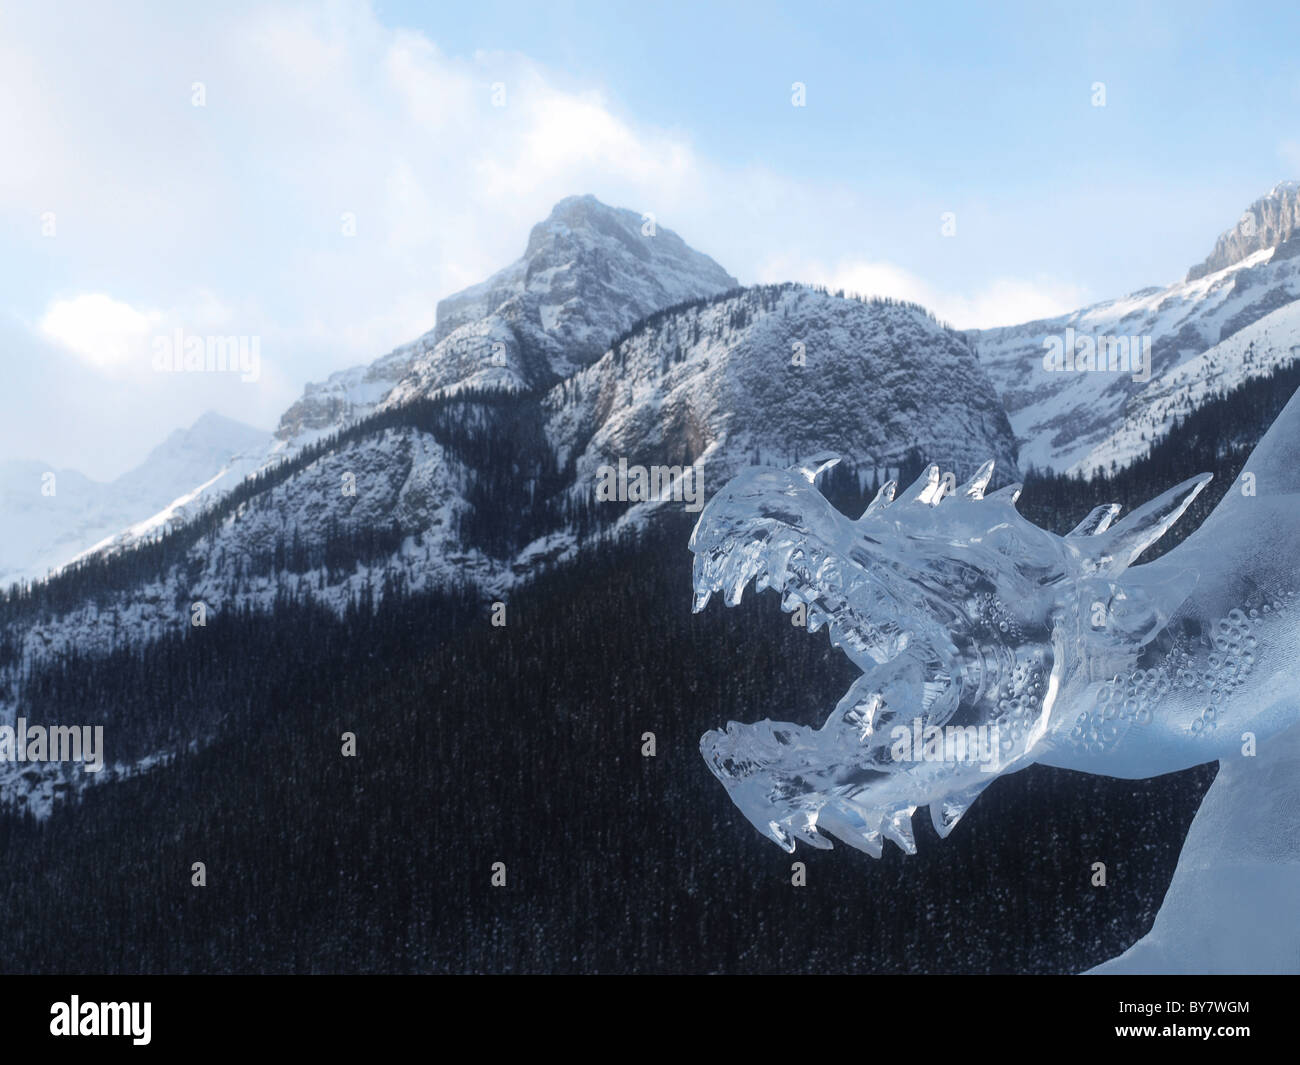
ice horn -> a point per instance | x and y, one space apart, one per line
814 467
1119 547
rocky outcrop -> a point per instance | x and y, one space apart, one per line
1268 222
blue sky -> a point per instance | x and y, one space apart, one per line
225 218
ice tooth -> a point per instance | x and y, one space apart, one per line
883 498
1009 494
735 590
780 835
923 489
810 836
1097 521
781 564
945 813
699 573
849 826
974 488
897 826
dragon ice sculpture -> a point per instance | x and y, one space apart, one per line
987 644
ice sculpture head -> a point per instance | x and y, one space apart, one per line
959 613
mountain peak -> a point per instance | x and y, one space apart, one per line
587 273
587 215
1266 223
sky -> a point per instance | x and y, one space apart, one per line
314 177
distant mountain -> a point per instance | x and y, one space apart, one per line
49 517
1256 350
589 272
1072 420
429 470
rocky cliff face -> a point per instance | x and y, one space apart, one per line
1267 222
344 396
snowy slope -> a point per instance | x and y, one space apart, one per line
1065 418
1271 342
40 532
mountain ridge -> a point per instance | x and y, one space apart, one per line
44 524
1074 420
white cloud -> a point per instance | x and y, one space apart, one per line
227 217
1001 301
102 331
1011 301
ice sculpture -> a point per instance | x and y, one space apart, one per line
987 644
1231 907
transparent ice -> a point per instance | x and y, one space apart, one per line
964 617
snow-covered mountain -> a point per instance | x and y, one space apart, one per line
589 271
775 373
1271 342
49 517
1078 420
436 464
481 489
